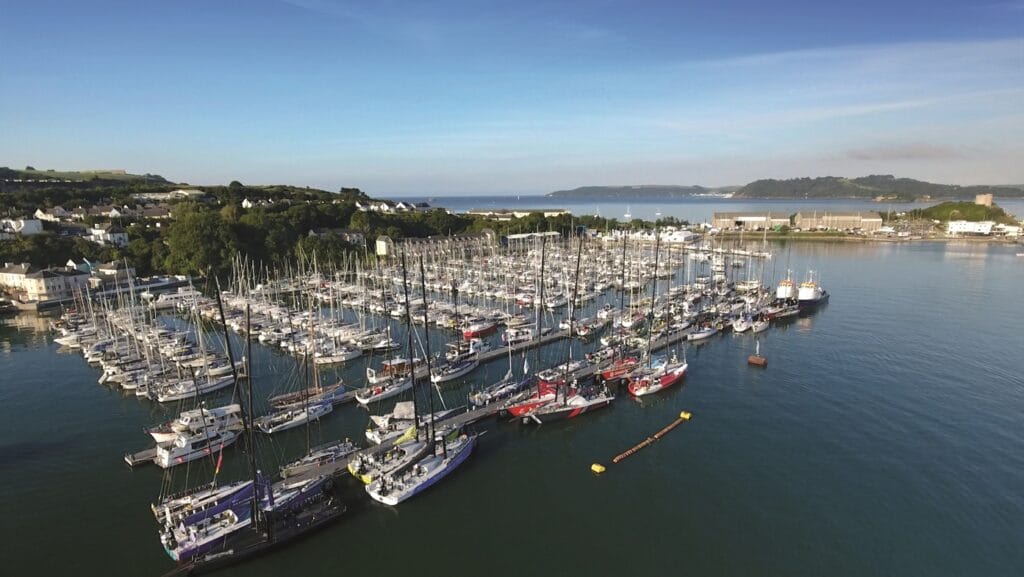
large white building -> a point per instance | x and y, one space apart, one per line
54 284
748 220
967 227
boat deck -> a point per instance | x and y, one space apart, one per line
503 352
143 457
340 467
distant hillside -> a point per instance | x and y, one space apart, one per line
30 173
641 192
882 187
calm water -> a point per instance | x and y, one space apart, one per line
692 209
885 438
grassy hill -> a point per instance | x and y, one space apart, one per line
30 173
947 211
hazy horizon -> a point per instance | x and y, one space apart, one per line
472 98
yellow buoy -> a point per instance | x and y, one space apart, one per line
597 468
685 416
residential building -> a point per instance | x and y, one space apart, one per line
156 212
863 221
108 233
12 276
54 284
117 272
403 206
983 199
55 214
748 220
375 206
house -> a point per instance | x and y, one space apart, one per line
55 214
983 199
156 212
112 273
865 221
53 284
12 276
84 266
747 220
11 227
247 204
376 206
109 211
108 233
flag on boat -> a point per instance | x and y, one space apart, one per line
220 459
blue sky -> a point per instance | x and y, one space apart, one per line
468 96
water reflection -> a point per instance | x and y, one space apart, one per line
23 330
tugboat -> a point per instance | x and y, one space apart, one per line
811 295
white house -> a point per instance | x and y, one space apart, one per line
113 272
12 275
55 214
377 206
108 233
54 284
967 227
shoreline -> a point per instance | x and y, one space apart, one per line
814 237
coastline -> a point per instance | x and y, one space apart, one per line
825 237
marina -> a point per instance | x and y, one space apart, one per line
506 445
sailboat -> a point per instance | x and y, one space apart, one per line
232 527
442 457
302 413
576 399
660 376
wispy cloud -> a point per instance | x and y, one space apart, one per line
905 151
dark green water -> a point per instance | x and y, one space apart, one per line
885 438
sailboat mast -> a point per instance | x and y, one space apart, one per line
540 308
654 292
622 281
572 318
426 345
408 332
245 422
